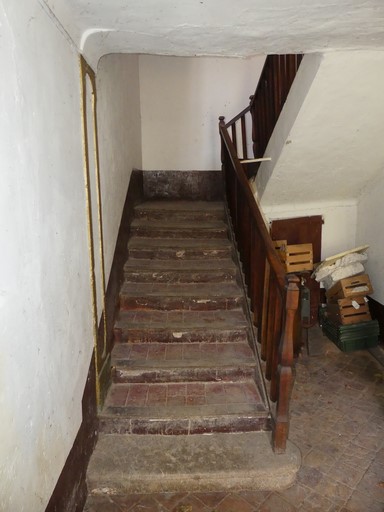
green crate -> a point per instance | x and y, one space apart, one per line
351 337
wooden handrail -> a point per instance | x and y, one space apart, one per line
274 296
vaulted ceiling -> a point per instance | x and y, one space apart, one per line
220 27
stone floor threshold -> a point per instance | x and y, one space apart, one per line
337 421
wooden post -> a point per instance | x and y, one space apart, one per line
285 373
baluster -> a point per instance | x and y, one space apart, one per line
244 137
234 136
270 323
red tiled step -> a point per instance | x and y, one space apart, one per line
201 211
179 249
178 229
188 296
165 362
181 326
184 408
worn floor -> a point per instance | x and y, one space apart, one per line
338 424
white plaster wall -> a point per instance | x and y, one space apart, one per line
119 139
334 147
339 228
370 221
45 311
181 100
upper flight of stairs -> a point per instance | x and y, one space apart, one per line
183 363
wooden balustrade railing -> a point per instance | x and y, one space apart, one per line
274 296
251 130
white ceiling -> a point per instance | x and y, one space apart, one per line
220 27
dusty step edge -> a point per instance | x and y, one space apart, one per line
141 334
249 465
182 374
185 425
177 303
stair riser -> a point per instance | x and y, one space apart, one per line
184 426
177 276
154 215
183 336
195 233
122 375
178 254
179 303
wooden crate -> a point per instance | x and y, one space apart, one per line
280 246
354 286
298 258
344 312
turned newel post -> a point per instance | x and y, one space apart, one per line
285 368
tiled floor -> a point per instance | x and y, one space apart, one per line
338 423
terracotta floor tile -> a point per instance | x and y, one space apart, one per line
234 503
173 352
157 394
117 396
191 504
196 389
137 394
210 499
169 500
156 351
177 390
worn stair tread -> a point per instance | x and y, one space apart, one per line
181 205
182 320
185 399
177 224
123 464
201 291
179 243
212 265
191 355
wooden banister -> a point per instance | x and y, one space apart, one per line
274 296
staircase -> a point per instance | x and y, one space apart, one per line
185 364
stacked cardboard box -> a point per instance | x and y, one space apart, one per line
346 319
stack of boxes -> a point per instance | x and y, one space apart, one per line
346 319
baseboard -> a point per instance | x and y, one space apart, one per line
377 313
192 185
116 277
70 492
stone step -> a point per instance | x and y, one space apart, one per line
181 326
179 249
179 271
126 464
182 362
178 229
186 296
202 211
184 408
